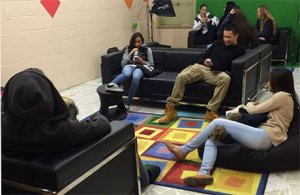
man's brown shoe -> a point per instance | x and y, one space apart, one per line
198 180
210 116
176 150
170 114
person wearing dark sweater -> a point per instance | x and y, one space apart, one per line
221 56
265 25
212 68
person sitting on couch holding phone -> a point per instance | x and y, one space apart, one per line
211 68
136 58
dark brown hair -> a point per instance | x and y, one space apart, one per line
281 79
201 6
233 28
132 40
247 33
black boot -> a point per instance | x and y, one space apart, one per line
153 172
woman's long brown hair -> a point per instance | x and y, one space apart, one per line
281 79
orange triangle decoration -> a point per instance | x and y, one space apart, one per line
129 3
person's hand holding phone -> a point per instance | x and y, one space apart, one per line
208 62
138 60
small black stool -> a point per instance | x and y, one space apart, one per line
107 99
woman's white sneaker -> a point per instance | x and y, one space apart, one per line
113 87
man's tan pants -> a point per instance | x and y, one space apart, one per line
198 72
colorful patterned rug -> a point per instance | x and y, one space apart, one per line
150 137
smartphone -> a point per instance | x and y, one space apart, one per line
135 55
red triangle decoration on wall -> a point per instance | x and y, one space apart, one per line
129 3
51 6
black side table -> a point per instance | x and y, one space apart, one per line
107 99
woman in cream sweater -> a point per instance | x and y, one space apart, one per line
282 109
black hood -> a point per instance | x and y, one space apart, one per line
30 98
36 120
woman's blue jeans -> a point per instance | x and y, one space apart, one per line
127 72
251 137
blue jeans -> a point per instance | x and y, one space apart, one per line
127 72
251 137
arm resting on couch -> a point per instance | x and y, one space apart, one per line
192 39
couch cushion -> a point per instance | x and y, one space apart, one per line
177 60
159 59
162 85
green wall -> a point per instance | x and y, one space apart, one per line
286 13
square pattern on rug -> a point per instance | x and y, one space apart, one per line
151 136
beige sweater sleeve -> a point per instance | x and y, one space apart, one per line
280 113
269 105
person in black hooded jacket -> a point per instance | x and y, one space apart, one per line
36 120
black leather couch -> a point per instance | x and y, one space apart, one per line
281 48
286 156
245 75
101 166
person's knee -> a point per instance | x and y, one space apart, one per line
182 78
127 75
135 80
217 121
224 79
137 75
209 142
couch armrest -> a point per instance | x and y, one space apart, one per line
265 59
110 65
244 75
280 49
